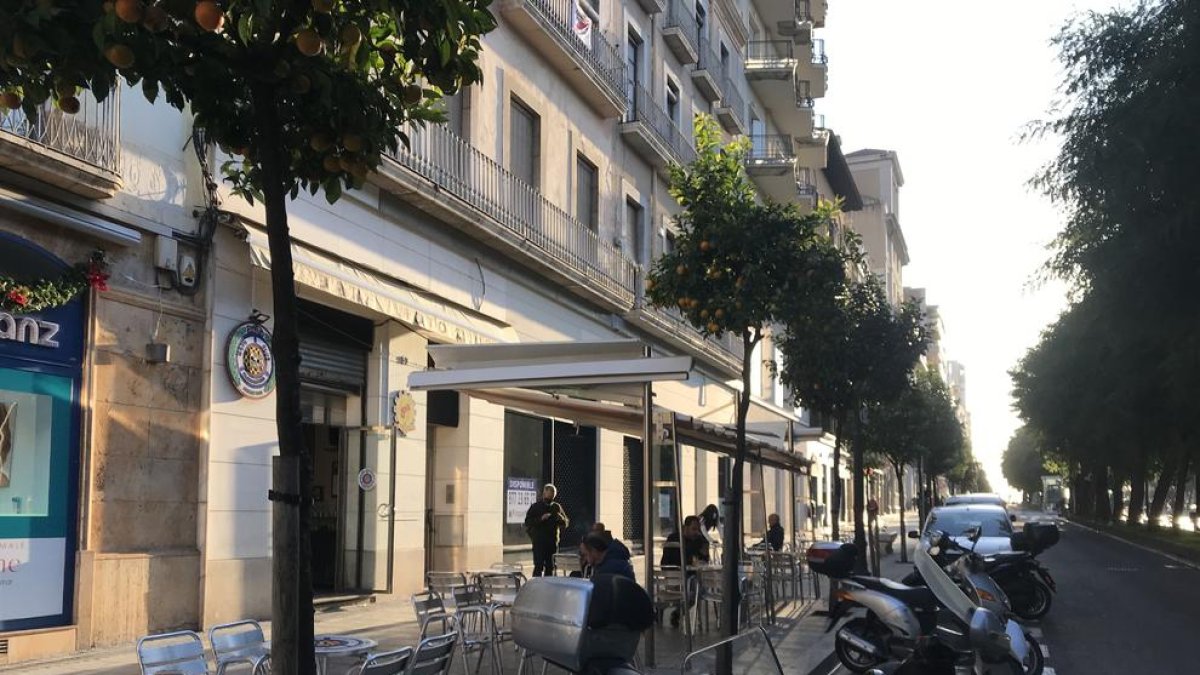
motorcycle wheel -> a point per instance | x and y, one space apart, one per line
850 656
1034 604
1038 661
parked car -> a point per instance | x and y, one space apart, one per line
956 520
975 498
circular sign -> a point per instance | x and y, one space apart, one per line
249 360
366 480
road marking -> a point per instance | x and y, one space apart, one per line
1168 556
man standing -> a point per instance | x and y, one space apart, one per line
543 522
775 534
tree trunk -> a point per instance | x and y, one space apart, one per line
920 492
1180 493
1103 501
860 500
1137 490
836 507
900 491
1118 500
291 597
731 587
1161 488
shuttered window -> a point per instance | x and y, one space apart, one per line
587 193
524 144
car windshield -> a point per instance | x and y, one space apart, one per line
955 523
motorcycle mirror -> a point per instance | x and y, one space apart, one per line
913 534
933 551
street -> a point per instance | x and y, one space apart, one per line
1119 609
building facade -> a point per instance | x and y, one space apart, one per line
529 217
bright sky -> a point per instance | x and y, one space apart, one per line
950 85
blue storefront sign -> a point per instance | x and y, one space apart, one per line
41 354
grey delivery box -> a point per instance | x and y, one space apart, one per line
550 619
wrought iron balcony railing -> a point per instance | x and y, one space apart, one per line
771 148
731 98
818 52
601 58
770 54
642 108
92 135
456 167
682 21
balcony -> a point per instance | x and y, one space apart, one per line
816 12
731 110
771 164
806 188
709 72
680 32
592 65
793 20
816 69
653 6
771 68
652 133
80 153
446 176
724 354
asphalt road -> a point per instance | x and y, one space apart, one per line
1120 609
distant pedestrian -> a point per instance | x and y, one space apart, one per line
544 521
775 534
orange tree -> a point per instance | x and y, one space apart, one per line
303 94
735 263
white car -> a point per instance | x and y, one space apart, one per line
994 521
975 498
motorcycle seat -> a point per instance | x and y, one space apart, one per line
915 596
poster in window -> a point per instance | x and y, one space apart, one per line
6 442
520 494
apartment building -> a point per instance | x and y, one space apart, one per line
529 217
879 177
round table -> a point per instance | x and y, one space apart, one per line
327 646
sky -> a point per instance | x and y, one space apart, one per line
950 86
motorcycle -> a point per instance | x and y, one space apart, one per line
583 626
932 624
1025 580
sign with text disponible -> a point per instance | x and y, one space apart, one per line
520 494
31 577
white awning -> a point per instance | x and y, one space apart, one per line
434 318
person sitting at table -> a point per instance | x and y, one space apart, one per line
621 549
603 558
774 532
695 546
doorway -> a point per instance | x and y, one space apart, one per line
325 433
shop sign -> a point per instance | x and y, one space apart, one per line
520 494
28 330
404 412
367 479
249 360
31 578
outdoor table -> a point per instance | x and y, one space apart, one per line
327 646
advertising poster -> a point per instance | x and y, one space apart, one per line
519 495
31 577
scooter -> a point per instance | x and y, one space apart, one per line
1025 580
910 624
583 626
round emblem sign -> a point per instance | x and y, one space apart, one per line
366 480
250 361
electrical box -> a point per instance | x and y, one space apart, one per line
166 254
187 271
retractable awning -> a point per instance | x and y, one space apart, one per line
426 314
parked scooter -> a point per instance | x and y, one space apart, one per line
1025 580
582 626
937 625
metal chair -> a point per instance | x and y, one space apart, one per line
476 628
444 583
509 568
433 655
669 593
753 601
501 588
177 653
711 595
240 642
565 563
430 608
386 663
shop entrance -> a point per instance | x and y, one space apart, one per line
325 434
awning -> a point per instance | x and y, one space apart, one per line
71 219
434 318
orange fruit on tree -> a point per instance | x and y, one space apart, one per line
704 245
323 6
331 164
129 11
681 270
209 16
156 19
412 94
719 313
68 104
713 327
320 142
10 100
301 84
120 56
352 142
308 41
351 35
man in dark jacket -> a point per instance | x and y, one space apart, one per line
544 521
774 532
603 558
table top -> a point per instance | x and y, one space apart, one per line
342 644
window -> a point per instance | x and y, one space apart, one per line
524 146
758 136
724 60
456 113
633 68
587 193
526 469
668 242
701 19
632 237
673 101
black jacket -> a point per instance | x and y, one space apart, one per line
775 537
545 531
696 549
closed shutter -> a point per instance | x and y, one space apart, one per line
331 363
523 144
